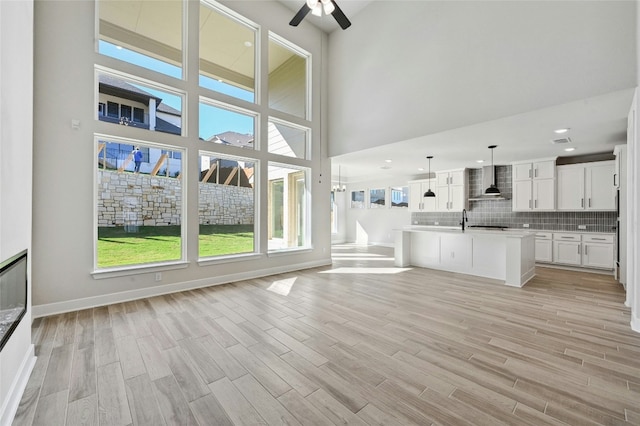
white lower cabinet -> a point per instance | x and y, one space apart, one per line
544 247
567 252
455 252
586 250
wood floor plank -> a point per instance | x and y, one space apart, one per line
58 370
239 410
304 411
51 409
174 407
83 412
142 401
265 404
208 410
130 357
191 384
265 375
202 361
227 363
83 373
154 362
333 409
113 407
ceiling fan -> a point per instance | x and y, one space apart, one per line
316 7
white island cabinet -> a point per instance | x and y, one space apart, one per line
504 255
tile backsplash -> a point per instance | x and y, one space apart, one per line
499 212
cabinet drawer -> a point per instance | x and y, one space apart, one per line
543 235
566 237
588 238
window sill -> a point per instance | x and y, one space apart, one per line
285 252
138 269
228 259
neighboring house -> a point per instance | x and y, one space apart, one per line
121 102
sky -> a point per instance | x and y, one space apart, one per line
213 120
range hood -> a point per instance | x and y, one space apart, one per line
488 172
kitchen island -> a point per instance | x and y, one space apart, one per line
507 255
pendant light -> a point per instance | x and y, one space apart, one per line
429 192
492 189
339 187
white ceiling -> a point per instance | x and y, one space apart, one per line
596 126
448 79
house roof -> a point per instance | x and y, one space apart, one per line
234 139
117 87
165 126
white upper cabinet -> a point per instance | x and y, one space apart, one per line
534 185
452 192
417 201
587 186
599 186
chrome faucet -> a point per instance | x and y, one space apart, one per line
464 218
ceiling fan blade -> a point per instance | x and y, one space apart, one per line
341 18
304 10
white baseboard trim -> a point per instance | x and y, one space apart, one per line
10 405
635 324
38 311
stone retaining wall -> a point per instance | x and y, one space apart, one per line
127 199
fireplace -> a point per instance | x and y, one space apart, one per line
13 294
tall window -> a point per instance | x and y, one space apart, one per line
287 78
226 125
288 207
144 33
226 205
243 139
227 52
134 102
139 203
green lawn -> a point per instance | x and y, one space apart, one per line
162 243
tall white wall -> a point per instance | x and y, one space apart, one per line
406 69
16 140
63 222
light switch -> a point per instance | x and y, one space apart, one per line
75 124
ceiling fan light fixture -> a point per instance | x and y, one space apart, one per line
317 9
312 4
328 7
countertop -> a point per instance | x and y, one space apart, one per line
509 232
434 228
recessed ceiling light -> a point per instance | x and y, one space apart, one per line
387 161
569 149
561 131
479 161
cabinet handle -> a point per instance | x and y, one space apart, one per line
614 179
536 173
529 173
529 203
598 239
567 237
586 249
581 202
589 202
535 204
578 248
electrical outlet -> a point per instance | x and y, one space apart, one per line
525 225
436 223
582 226
158 276
415 222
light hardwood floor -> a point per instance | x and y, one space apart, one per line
357 343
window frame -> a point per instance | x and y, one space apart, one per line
137 268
